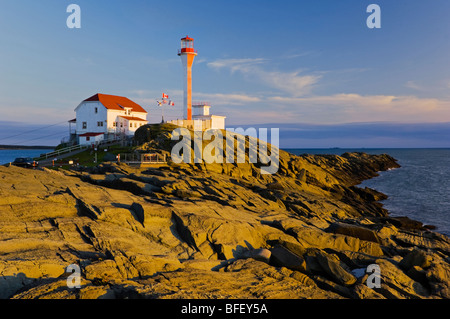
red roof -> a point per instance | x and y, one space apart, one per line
132 118
187 39
114 102
91 134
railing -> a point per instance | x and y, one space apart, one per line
187 50
64 150
201 103
192 124
148 158
110 140
78 147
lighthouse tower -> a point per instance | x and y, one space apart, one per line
187 54
197 116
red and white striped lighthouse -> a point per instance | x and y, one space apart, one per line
187 54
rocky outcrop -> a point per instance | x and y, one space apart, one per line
213 231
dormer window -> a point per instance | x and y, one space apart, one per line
127 111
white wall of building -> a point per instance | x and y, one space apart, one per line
128 127
218 122
200 110
93 117
198 125
89 115
135 125
89 140
113 117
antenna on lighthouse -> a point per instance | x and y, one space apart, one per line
187 54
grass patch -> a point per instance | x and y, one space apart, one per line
87 157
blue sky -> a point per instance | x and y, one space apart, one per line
282 62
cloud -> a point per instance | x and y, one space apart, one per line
343 108
357 135
414 86
37 114
291 100
243 108
226 99
222 103
18 133
149 97
298 55
200 60
243 65
294 83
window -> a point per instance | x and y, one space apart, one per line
114 124
88 138
84 125
96 110
121 124
131 125
99 123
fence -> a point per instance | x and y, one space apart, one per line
65 150
193 124
149 158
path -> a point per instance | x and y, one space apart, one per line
49 161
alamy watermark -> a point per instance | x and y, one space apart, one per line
374 19
374 279
237 142
74 280
74 19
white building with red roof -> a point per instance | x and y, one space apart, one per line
103 115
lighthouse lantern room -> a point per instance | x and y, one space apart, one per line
187 45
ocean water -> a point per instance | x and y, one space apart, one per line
7 156
420 189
